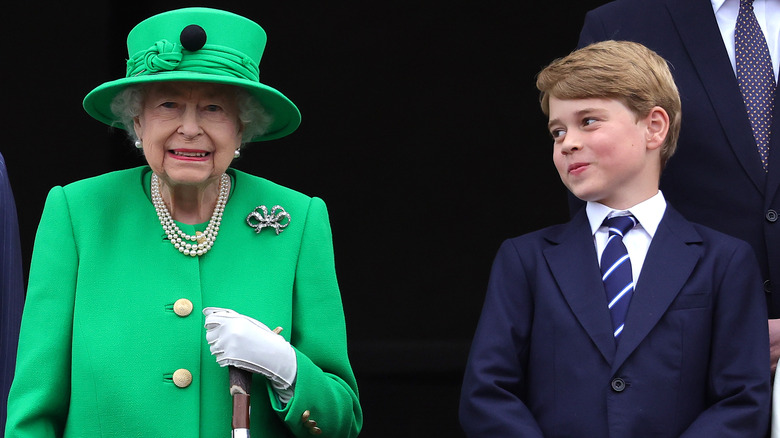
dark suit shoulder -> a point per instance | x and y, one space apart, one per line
630 7
548 236
709 239
643 21
715 237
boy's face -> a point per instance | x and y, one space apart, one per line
603 153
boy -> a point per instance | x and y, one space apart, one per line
679 345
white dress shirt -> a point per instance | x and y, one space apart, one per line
649 214
768 16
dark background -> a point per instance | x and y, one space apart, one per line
421 130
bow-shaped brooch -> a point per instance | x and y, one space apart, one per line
260 218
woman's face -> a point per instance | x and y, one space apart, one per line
189 130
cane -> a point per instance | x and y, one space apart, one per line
240 382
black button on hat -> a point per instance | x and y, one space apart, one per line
193 37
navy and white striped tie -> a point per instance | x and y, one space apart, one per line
616 270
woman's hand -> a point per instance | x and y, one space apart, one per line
246 343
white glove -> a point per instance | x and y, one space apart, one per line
249 344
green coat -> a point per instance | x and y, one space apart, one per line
100 340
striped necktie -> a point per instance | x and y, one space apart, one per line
755 76
616 270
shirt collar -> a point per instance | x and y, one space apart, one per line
717 4
649 213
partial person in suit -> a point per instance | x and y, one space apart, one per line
719 176
147 285
584 333
11 286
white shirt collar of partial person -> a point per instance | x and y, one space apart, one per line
768 16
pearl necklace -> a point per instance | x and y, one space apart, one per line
179 238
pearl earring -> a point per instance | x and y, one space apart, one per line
139 144
236 154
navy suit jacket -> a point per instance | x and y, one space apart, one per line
691 360
715 178
11 287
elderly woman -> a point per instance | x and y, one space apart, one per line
113 340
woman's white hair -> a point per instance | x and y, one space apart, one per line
128 103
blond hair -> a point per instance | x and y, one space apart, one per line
626 71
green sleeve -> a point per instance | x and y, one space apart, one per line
39 397
325 384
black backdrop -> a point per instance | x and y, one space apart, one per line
421 130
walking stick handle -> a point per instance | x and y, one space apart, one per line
240 384
240 381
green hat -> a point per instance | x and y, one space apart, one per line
203 45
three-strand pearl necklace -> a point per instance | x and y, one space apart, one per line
200 243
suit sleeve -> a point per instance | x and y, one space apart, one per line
592 30
38 401
491 403
11 287
739 391
325 384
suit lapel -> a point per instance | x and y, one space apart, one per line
698 30
574 266
774 158
668 266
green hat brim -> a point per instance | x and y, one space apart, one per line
285 117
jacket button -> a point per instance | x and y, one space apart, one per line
182 307
771 215
182 378
767 286
618 384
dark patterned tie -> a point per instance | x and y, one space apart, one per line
755 76
616 270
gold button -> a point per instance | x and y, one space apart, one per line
182 307
182 378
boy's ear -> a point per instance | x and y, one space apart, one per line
657 123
